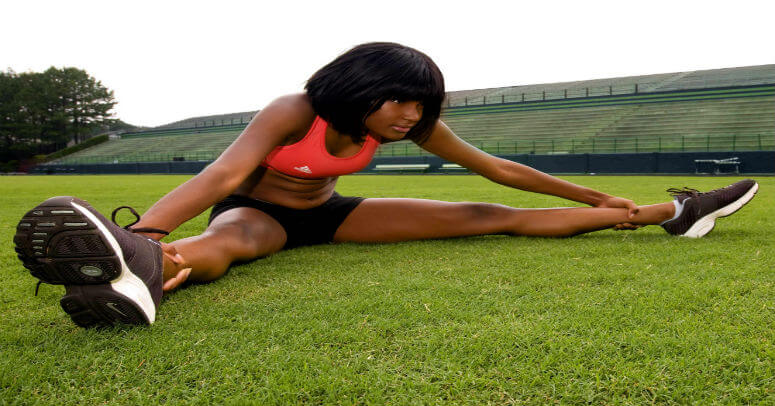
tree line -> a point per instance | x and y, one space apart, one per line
41 112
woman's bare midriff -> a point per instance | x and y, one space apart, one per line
274 187
297 193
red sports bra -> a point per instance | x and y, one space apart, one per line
309 159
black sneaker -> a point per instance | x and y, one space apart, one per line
110 274
700 210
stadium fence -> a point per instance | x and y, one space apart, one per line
750 162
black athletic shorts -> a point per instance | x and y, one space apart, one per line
303 227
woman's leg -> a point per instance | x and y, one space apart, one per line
391 220
238 234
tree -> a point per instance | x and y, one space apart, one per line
8 112
83 103
15 124
42 112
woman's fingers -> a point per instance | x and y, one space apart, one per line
632 209
177 280
172 253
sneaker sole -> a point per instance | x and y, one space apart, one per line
62 242
92 305
706 224
59 245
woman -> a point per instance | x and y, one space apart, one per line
273 188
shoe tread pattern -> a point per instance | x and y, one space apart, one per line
59 245
99 305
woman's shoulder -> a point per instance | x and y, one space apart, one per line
292 105
294 111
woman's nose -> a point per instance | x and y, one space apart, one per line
412 111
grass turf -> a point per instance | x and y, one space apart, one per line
604 318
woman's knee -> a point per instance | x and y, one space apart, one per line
482 213
245 241
514 221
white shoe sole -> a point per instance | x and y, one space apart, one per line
127 283
706 223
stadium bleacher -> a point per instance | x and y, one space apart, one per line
713 78
715 110
211 121
190 144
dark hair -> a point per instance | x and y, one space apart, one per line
356 83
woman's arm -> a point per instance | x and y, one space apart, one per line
444 143
268 129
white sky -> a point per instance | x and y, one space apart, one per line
171 60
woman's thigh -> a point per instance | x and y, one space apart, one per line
242 233
392 220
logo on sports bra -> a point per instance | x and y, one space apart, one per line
304 169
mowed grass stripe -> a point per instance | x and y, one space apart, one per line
610 317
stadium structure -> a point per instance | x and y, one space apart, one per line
708 121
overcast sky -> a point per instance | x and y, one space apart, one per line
171 60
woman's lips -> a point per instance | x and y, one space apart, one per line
400 128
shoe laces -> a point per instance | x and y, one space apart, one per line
686 191
128 227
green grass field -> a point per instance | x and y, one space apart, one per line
605 318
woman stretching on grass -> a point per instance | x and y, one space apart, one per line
273 188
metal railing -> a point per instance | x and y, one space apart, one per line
633 89
196 156
592 145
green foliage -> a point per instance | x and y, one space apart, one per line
40 112
605 318
75 148
118 125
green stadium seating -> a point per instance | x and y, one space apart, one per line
713 78
555 119
211 121
189 145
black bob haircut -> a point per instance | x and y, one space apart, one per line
356 83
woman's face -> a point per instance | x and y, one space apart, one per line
394 119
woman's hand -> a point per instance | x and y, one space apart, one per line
177 280
619 202
178 268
